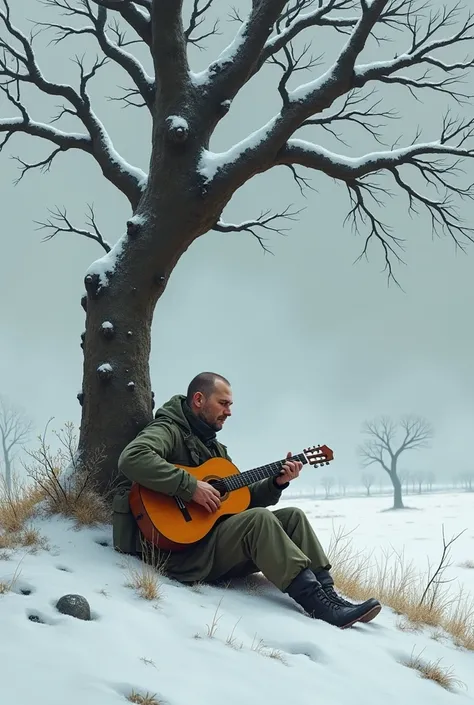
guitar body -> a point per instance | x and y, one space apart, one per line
171 528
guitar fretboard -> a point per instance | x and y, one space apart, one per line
244 479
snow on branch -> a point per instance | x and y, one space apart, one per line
238 61
438 190
196 20
425 41
99 27
58 222
435 162
265 221
63 140
296 20
19 68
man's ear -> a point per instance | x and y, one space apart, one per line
198 399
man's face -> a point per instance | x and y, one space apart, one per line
215 408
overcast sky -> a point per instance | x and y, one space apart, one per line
313 343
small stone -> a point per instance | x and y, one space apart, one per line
35 618
74 606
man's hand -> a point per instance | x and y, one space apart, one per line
207 496
290 470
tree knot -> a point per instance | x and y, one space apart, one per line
178 129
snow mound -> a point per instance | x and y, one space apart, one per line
263 649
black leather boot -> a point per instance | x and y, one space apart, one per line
308 592
373 606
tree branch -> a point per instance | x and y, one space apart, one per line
354 110
299 104
15 427
138 19
19 67
264 221
420 53
294 21
58 222
196 19
418 433
112 50
437 174
169 48
238 61
382 433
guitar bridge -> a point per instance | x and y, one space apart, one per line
183 509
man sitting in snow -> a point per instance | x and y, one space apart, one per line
281 543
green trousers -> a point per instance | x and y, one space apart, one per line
278 543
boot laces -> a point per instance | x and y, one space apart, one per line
325 598
331 593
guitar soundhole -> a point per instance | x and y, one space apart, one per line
219 486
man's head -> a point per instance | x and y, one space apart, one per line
209 396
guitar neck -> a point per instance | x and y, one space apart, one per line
244 479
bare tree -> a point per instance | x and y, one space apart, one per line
467 479
328 483
430 479
386 443
367 481
342 482
187 186
419 478
15 429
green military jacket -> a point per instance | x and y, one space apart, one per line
150 460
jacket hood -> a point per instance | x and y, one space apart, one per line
172 410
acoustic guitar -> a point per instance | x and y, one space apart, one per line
174 525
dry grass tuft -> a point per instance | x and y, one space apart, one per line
263 650
65 484
8 585
422 599
146 699
211 628
145 581
144 578
28 538
433 671
18 503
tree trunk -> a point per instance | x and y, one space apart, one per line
175 209
397 491
8 465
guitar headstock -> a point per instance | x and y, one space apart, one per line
318 455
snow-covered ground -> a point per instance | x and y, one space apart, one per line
416 531
163 646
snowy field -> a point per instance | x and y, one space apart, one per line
263 649
416 531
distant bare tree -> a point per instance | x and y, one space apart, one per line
467 479
383 448
367 481
430 479
419 478
327 483
342 486
15 429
